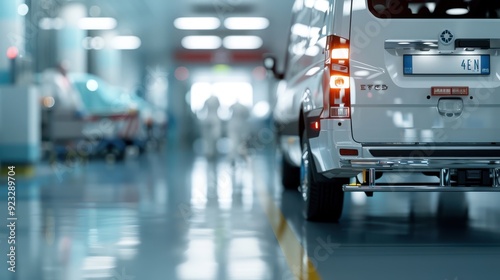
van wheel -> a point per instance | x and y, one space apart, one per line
323 200
290 175
452 209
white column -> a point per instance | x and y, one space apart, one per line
70 38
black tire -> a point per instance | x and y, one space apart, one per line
290 175
452 209
323 200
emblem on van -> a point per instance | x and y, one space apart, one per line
446 37
374 87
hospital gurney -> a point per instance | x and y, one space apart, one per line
111 134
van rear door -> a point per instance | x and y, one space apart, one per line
425 71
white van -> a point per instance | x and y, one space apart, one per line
389 86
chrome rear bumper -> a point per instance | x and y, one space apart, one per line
445 183
419 164
418 188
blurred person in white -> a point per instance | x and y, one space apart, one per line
211 126
237 130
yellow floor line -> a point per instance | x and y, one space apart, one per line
295 255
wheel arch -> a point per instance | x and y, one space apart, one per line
302 123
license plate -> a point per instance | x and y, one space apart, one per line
446 64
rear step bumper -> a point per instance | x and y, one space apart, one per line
471 180
417 188
418 164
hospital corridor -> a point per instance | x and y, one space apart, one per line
247 140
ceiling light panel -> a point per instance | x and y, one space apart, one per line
197 23
242 42
126 42
246 23
97 23
201 42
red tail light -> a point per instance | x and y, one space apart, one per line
338 62
315 125
349 152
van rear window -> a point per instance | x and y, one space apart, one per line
435 8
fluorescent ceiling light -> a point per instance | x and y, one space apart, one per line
242 42
197 23
246 23
126 42
201 42
97 23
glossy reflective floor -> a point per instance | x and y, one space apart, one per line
177 215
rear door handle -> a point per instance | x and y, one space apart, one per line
450 107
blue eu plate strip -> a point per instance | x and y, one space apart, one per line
407 64
485 64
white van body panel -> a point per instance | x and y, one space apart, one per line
405 111
341 23
399 89
397 124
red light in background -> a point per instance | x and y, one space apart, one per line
181 73
259 73
12 52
